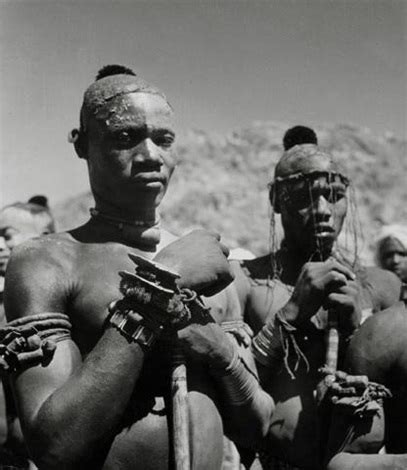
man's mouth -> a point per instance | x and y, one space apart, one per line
146 178
323 230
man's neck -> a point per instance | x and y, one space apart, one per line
130 213
138 226
292 259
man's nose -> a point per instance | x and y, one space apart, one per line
148 151
322 208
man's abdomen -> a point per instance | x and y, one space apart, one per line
144 445
293 431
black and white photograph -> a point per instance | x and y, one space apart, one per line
203 235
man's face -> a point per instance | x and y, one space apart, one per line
393 256
130 149
313 209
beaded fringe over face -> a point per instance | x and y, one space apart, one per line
346 247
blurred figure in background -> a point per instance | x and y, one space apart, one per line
18 222
391 252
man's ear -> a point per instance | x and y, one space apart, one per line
79 140
273 198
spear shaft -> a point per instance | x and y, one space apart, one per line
180 419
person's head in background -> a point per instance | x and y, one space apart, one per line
20 222
391 250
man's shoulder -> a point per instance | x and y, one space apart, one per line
259 269
49 241
375 273
380 278
379 342
37 276
56 246
383 285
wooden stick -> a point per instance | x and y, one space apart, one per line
332 346
180 421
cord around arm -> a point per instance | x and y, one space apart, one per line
31 341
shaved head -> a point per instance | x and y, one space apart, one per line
105 89
305 159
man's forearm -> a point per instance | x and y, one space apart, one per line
81 416
249 423
246 407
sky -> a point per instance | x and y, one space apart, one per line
222 64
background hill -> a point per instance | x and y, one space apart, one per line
221 182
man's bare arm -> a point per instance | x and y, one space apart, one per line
69 409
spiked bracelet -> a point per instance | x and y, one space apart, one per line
152 302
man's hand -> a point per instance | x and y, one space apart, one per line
335 385
316 281
207 343
345 301
201 261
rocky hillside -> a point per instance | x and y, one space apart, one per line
221 182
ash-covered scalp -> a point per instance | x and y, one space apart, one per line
303 155
112 81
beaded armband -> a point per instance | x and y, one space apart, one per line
153 303
276 343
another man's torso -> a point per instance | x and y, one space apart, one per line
293 435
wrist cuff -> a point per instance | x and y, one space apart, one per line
134 330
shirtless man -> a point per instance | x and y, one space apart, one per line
103 400
292 290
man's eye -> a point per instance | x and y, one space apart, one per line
123 137
298 199
335 196
164 141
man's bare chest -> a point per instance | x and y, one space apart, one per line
95 284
